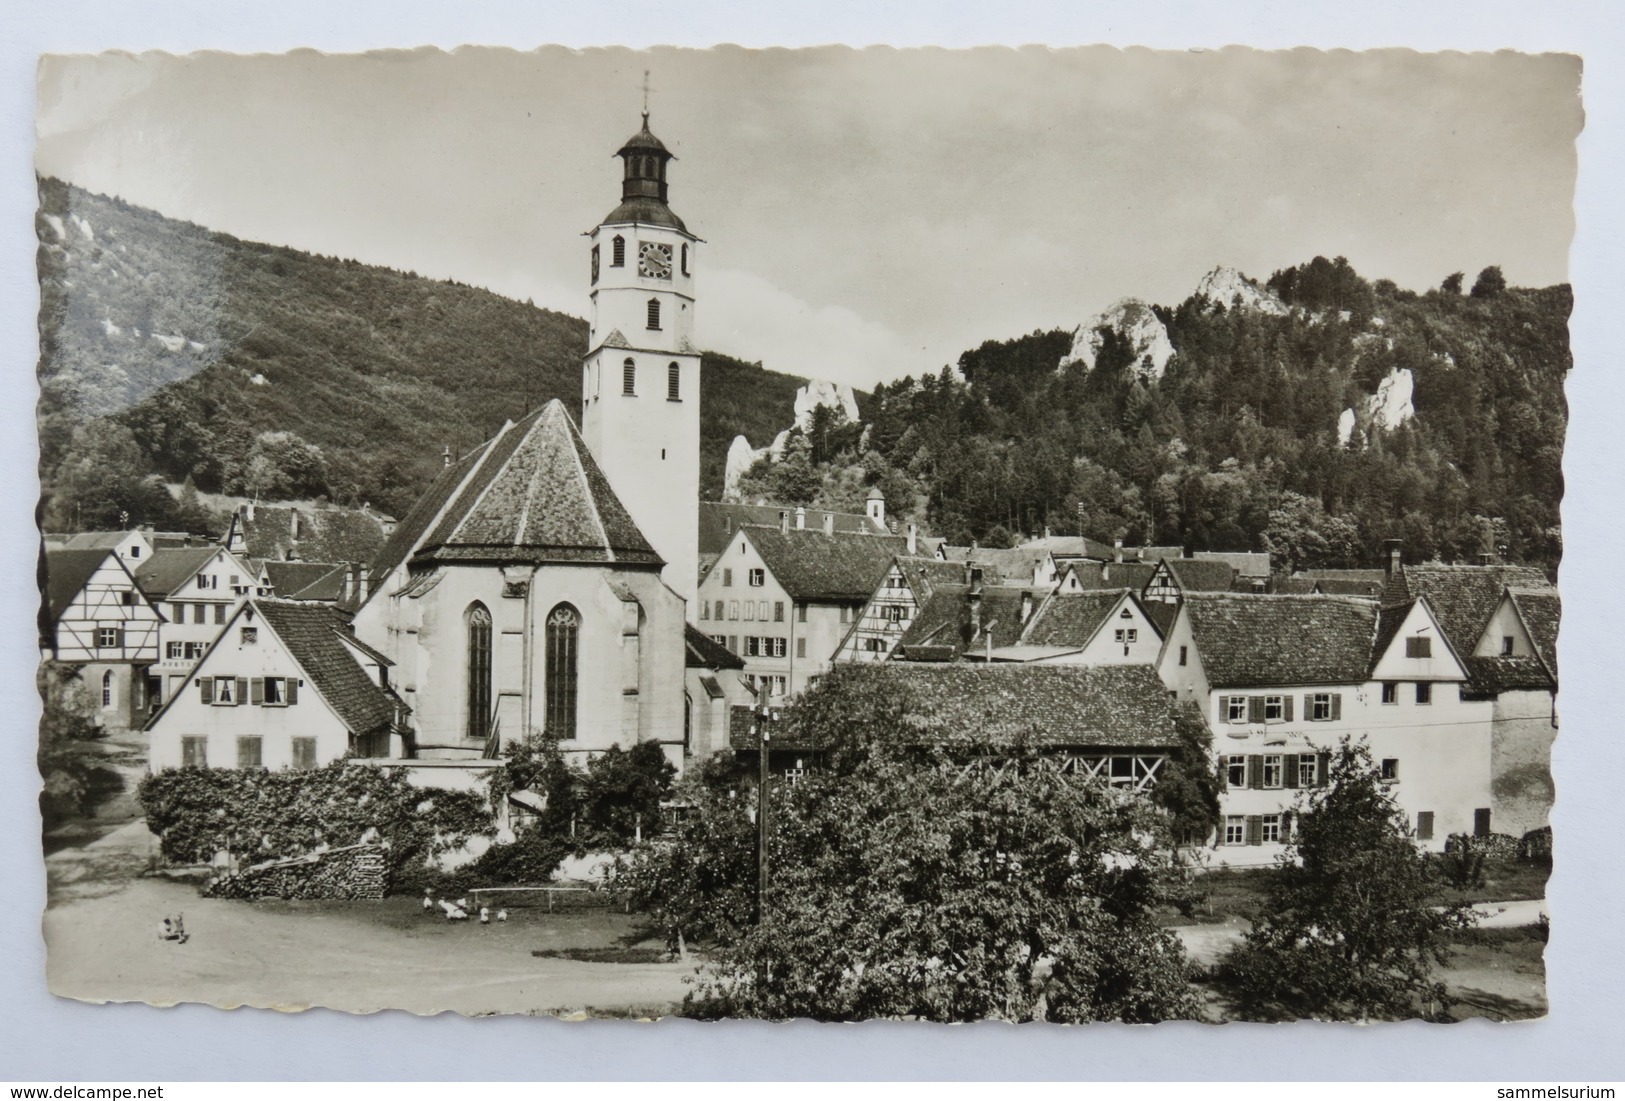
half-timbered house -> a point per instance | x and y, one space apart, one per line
94 615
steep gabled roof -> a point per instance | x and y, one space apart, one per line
1016 566
719 520
1201 575
813 566
537 495
168 569
943 627
1252 640
1488 676
1463 598
411 530
316 636
1072 619
66 572
1245 563
1112 575
703 653
306 580
924 575
1541 610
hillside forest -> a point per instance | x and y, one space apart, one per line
172 355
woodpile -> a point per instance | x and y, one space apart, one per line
353 872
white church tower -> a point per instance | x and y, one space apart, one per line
640 412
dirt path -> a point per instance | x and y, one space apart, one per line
101 932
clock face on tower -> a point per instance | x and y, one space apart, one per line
654 260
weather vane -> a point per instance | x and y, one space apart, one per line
646 96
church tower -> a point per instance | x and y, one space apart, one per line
640 402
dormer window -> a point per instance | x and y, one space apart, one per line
654 313
618 252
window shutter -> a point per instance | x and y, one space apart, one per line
1224 774
290 692
1323 765
1224 709
119 636
1255 829
256 691
242 690
1255 709
206 689
1424 825
1337 705
1286 709
1286 826
1289 766
1255 770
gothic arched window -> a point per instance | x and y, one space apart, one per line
629 377
654 313
674 382
478 723
618 253
107 689
563 660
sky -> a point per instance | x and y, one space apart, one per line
867 214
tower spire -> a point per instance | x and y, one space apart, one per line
646 98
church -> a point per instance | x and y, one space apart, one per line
541 582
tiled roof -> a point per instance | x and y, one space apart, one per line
924 575
65 574
998 706
1336 586
167 570
1016 566
703 653
1248 640
1201 575
1541 609
311 633
1113 575
942 628
537 495
1161 614
719 520
813 566
1071 619
1462 597
1245 563
306 580
1072 546
323 534
1377 576
415 525
1488 676
1390 618
91 540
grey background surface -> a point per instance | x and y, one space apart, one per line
45 1039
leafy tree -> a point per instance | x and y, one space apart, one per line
1350 930
66 726
1490 282
1452 282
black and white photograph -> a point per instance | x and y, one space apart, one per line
1058 535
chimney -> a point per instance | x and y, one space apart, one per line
363 583
1117 550
914 539
801 519
1046 533
829 523
1392 553
784 521
349 582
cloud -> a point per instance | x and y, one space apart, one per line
742 314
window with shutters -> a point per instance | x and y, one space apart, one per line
801 613
477 672
276 694
1235 709
752 649
225 690
219 614
720 640
1270 828
248 752
629 376
727 577
801 647
1235 770
1424 692
200 613
1424 825
304 752
1274 771
718 607
195 752
750 611
674 382
705 609
172 650
654 313
563 643
1419 647
894 613
1235 830
1320 707
1390 692
617 252
758 578
1274 709
1308 773
192 651
1389 769
779 647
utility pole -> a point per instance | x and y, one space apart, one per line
764 716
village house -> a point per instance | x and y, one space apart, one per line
890 611
784 598
326 582
95 616
198 589
968 621
284 685
1116 724
1504 620
715 685
291 532
1175 577
1084 576
1282 679
719 520
1098 627
1024 566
